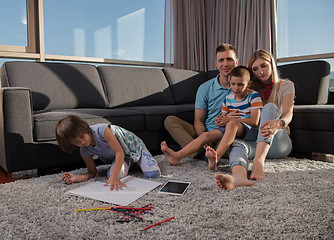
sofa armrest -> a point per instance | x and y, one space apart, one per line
16 122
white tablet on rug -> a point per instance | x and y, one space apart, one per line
174 187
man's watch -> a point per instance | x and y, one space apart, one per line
284 124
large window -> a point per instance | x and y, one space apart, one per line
13 27
305 31
127 29
103 31
305 27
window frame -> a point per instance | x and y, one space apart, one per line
305 57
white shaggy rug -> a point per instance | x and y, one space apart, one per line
296 200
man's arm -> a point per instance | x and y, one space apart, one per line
200 115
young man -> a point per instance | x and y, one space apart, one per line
208 103
245 104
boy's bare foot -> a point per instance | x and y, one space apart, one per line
169 153
229 182
211 154
257 172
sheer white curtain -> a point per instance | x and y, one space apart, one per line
199 26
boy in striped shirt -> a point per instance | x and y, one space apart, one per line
244 105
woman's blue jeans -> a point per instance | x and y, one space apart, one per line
280 144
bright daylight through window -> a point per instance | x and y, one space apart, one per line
127 29
305 27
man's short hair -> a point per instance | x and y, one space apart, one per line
225 47
241 71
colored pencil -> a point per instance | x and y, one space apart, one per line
129 208
100 208
126 213
97 208
157 223
138 211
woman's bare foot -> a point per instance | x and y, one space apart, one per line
211 154
257 172
229 182
169 153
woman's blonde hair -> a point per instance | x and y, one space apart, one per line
263 54
68 129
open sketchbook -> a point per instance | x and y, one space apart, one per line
136 187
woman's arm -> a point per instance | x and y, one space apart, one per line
114 181
271 127
287 109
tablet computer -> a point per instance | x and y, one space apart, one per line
174 187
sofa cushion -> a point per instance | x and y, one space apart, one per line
155 115
311 81
45 123
313 117
135 86
211 74
56 85
184 83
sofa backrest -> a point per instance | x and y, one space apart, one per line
56 85
311 81
184 84
135 86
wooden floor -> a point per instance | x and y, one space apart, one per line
10 177
5 177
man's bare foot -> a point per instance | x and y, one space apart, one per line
211 154
257 172
229 182
225 181
169 153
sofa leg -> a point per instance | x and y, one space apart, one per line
5 177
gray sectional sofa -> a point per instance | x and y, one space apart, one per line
34 96
312 126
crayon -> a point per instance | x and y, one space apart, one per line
126 213
138 211
101 208
157 223
97 208
129 208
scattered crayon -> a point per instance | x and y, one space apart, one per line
157 223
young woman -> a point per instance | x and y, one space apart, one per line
273 140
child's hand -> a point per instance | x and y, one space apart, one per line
69 178
234 115
219 121
115 183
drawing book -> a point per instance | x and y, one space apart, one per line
136 188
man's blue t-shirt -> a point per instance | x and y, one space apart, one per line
210 96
